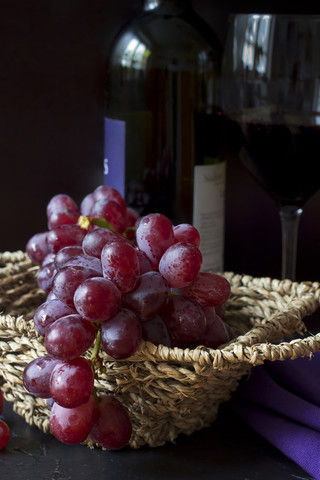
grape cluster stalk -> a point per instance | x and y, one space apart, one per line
113 280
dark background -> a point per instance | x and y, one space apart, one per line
51 126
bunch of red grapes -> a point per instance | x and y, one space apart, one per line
4 429
113 280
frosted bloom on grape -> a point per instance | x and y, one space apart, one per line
180 264
154 235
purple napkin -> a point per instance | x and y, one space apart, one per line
281 401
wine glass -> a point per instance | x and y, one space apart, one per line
271 91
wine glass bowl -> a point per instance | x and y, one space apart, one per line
271 91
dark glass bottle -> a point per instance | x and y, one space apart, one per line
163 122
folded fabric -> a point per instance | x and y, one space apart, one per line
281 401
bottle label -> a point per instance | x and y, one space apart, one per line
114 153
208 213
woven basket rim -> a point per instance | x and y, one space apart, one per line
253 347
305 300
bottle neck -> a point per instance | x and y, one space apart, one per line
153 4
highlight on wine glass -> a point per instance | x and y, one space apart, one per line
271 93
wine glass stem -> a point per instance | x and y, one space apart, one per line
290 217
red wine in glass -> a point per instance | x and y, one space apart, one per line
271 90
283 159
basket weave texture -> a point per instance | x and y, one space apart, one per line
167 391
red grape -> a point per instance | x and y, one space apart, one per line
73 425
69 337
105 192
112 212
71 383
132 217
95 240
184 232
4 434
156 331
66 253
113 428
36 376
121 335
67 280
149 297
45 276
49 258
216 332
37 247
97 299
220 310
87 204
64 236
208 289
180 264
87 262
154 235
185 320
64 217
145 264
61 202
120 264
48 312
51 296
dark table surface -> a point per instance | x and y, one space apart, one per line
228 450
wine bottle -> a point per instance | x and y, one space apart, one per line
163 121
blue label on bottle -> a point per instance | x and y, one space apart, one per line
114 154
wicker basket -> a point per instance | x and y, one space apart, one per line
167 391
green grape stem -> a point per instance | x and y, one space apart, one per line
96 348
85 222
